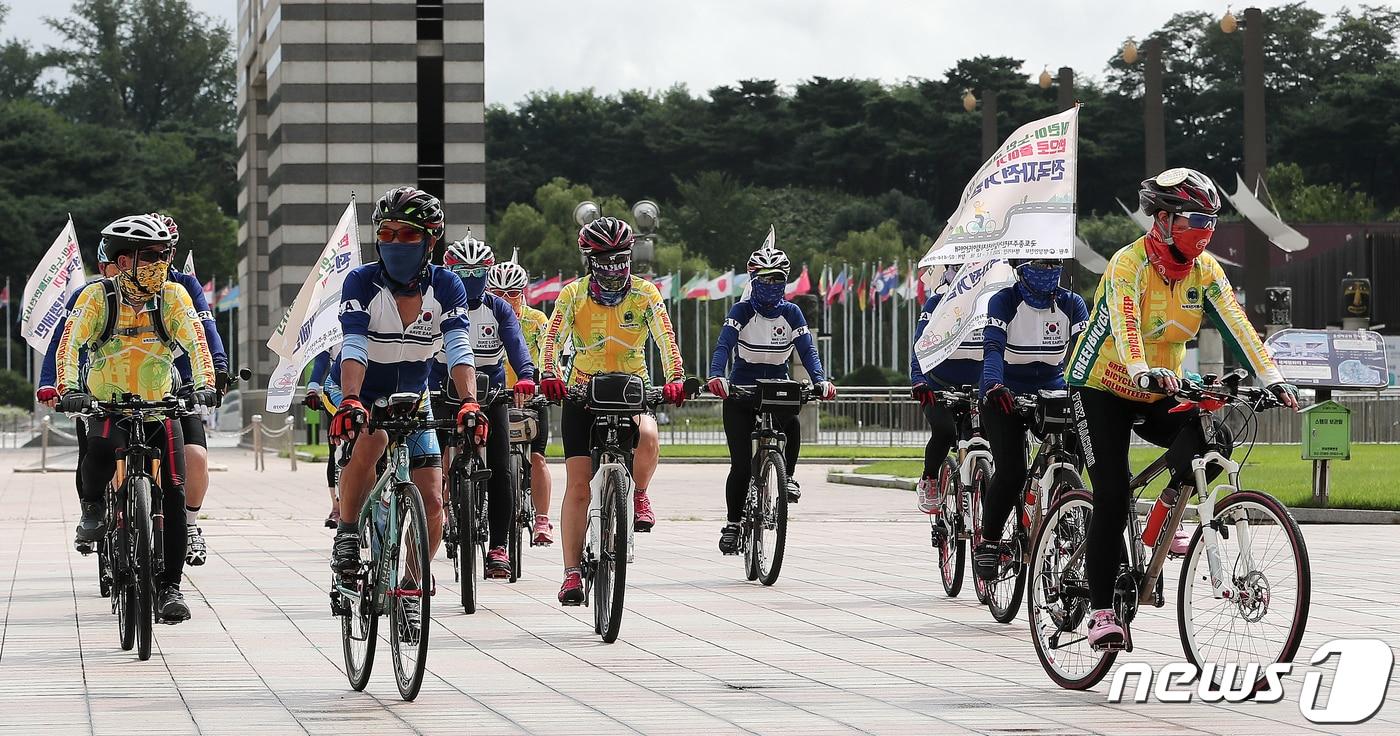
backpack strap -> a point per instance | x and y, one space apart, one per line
109 289
109 329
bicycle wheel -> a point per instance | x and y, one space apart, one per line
125 592
359 630
517 535
1265 562
464 500
769 525
410 601
610 576
1059 605
952 553
143 568
981 478
1004 592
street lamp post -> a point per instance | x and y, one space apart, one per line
1153 116
1256 243
1065 100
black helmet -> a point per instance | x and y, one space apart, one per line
1179 191
605 235
413 206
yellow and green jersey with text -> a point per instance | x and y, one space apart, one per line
610 339
135 360
1140 321
533 323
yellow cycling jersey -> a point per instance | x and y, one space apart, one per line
135 360
610 338
1139 320
532 327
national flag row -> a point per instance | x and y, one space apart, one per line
866 284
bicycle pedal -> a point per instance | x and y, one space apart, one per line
339 606
85 548
1117 646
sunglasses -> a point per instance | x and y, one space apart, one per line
770 278
154 256
508 293
1199 220
470 272
407 235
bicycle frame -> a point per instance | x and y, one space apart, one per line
386 572
609 458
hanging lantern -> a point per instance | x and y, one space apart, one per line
1045 79
1130 52
969 102
1228 23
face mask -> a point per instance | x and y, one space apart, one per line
402 263
1037 285
611 277
1191 241
767 295
148 279
475 286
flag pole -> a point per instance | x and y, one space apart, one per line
8 320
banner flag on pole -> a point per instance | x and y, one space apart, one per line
312 324
189 263
46 293
963 310
837 290
544 290
1021 202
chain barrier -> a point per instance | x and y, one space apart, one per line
256 429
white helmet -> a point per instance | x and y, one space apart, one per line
506 276
132 233
468 252
769 259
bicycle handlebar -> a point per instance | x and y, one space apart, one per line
806 393
175 406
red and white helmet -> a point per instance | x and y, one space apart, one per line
1179 190
605 235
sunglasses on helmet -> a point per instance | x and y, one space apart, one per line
1199 220
407 235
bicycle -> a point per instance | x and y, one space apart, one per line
766 503
1053 472
131 551
466 529
614 399
524 427
394 560
1233 584
958 521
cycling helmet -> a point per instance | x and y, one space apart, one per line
1179 191
468 252
413 206
767 260
605 235
170 225
132 233
507 276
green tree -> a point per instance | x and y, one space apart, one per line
15 391
719 218
209 233
1299 201
20 66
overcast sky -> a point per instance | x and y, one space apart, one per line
611 45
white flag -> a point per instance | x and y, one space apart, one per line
962 311
189 262
1020 204
47 292
312 324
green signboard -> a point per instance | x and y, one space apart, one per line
1326 432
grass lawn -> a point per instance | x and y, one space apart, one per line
809 452
1366 481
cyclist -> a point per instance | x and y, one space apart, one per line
508 281
395 314
317 401
607 314
962 368
132 350
192 426
1029 327
761 333
1152 299
495 336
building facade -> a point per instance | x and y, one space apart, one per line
342 97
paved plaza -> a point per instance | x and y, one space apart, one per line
856 636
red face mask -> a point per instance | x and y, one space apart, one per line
1188 242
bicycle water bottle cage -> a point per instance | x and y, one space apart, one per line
776 393
400 405
616 393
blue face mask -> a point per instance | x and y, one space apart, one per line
766 295
475 286
1037 284
402 263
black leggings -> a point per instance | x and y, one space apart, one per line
1007 435
498 501
1103 422
105 437
739 417
942 440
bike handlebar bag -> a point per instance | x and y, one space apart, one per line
617 393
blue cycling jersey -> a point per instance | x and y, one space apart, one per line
761 344
495 337
211 329
1023 347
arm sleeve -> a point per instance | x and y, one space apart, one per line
517 352
89 308
556 333
806 347
457 344
355 296
456 333
48 371
1232 322
320 367
206 317
664 335
185 328
1122 288
916 375
1001 309
728 337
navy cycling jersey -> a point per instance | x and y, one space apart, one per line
397 356
211 328
962 368
495 337
1024 348
762 345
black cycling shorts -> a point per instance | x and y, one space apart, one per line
541 441
193 428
